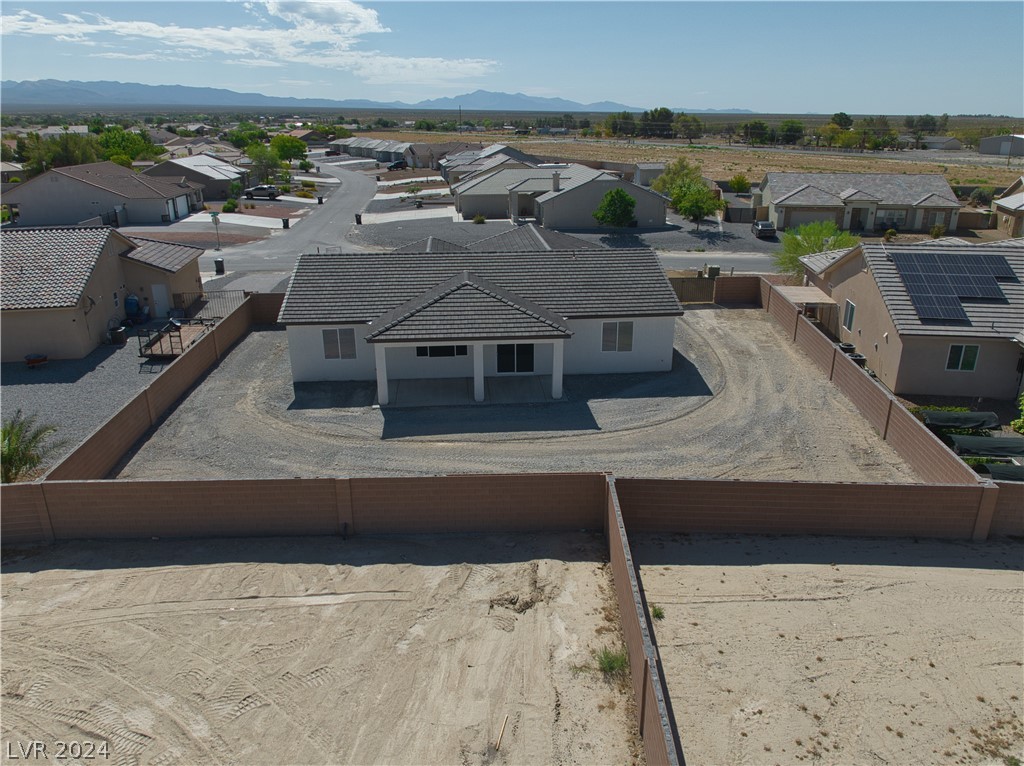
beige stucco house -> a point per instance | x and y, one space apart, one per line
858 201
940 318
64 289
214 174
102 193
1009 209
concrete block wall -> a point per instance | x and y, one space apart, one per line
738 290
799 508
784 312
867 396
816 345
1008 518
265 307
932 460
23 518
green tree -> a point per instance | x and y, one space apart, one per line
245 134
116 140
616 209
24 446
264 162
678 173
121 159
829 133
790 131
60 151
6 153
620 124
688 126
695 202
842 119
288 148
739 184
814 237
755 131
424 125
656 123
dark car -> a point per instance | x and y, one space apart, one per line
763 229
398 165
263 190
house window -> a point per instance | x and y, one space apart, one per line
515 357
963 358
442 350
891 217
851 309
617 336
339 343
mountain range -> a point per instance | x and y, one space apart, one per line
74 93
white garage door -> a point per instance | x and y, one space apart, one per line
800 217
181 203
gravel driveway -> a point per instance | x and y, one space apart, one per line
741 402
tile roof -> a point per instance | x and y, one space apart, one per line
809 196
166 256
122 181
818 262
531 238
208 165
500 181
431 245
1014 202
888 188
987 319
49 267
467 307
361 287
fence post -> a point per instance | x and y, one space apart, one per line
832 369
643 692
986 510
888 415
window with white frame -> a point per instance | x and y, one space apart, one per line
617 336
891 217
848 313
962 358
339 343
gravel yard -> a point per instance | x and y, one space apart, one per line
317 651
741 402
839 651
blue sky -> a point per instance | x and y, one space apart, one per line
817 57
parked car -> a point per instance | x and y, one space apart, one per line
398 165
763 229
263 190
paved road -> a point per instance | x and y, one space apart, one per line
742 263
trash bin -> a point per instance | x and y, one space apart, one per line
319 200
218 266
118 336
285 223
359 219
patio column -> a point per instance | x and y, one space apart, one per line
556 369
478 372
380 354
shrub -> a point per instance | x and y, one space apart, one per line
309 184
304 194
305 165
24 446
230 206
739 184
414 189
612 662
890 235
15 180
938 230
657 612
479 218
982 196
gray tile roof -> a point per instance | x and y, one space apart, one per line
125 182
49 268
987 319
467 307
809 196
166 256
818 262
530 238
361 287
207 165
431 245
887 188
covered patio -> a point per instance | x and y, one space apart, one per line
447 392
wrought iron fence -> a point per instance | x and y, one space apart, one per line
208 305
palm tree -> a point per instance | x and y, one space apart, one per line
24 446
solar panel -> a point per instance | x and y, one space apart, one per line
937 282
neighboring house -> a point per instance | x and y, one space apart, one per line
570 203
65 288
941 318
647 172
102 192
1005 146
308 137
478 168
213 173
478 315
11 170
509 192
159 136
457 165
52 131
186 147
1009 211
859 201
947 143
428 155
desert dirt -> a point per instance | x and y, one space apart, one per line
317 651
840 651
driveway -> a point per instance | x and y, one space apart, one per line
740 402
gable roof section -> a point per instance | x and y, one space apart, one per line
809 196
166 256
1013 203
530 238
817 263
48 268
361 287
431 245
124 182
986 318
466 307
887 188
857 194
209 166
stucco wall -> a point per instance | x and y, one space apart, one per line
574 209
55 200
923 368
140 279
873 332
652 347
306 350
487 205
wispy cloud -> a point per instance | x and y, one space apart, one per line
321 34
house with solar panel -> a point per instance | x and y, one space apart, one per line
478 318
65 288
858 201
942 318
213 173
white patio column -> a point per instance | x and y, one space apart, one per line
380 354
556 369
478 372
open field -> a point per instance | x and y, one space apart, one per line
317 650
741 402
839 651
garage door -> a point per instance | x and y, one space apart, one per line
800 217
181 203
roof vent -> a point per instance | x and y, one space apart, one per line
554 181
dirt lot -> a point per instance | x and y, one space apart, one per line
316 651
822 650
741 401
